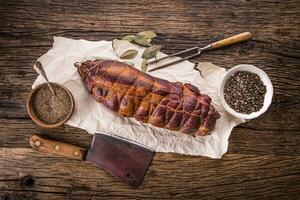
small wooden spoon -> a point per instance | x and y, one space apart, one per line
40 70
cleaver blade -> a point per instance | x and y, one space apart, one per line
128 161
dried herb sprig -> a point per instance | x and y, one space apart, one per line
144 66
143 39
151 51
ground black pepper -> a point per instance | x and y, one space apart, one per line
244 92
51 108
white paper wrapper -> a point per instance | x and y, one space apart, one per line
90 115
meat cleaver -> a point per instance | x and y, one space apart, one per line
126 160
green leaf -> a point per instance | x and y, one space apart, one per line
129 38
147 34
129 63
140 40
144 66
129 54
151 51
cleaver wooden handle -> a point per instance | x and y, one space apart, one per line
231 40
55 147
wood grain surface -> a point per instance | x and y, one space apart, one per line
263 159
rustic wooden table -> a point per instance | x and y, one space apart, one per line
263 159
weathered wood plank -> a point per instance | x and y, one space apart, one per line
16 133
177 15
195 177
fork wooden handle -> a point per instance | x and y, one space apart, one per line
231 40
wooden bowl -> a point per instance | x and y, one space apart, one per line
31 111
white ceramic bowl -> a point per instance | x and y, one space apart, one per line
264 78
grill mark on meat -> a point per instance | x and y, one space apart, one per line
185 128
139 114
143 99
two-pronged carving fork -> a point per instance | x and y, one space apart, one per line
195 51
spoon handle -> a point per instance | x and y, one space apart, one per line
40 70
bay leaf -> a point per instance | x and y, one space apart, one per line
144 66
129 54
120 46
140 40
129 38
147 34
114 44
129 63
151 51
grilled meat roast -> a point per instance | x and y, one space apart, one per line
132 93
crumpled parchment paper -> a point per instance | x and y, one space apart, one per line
90 115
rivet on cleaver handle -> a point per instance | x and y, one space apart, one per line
125 160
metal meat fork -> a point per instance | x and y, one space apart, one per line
198 50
